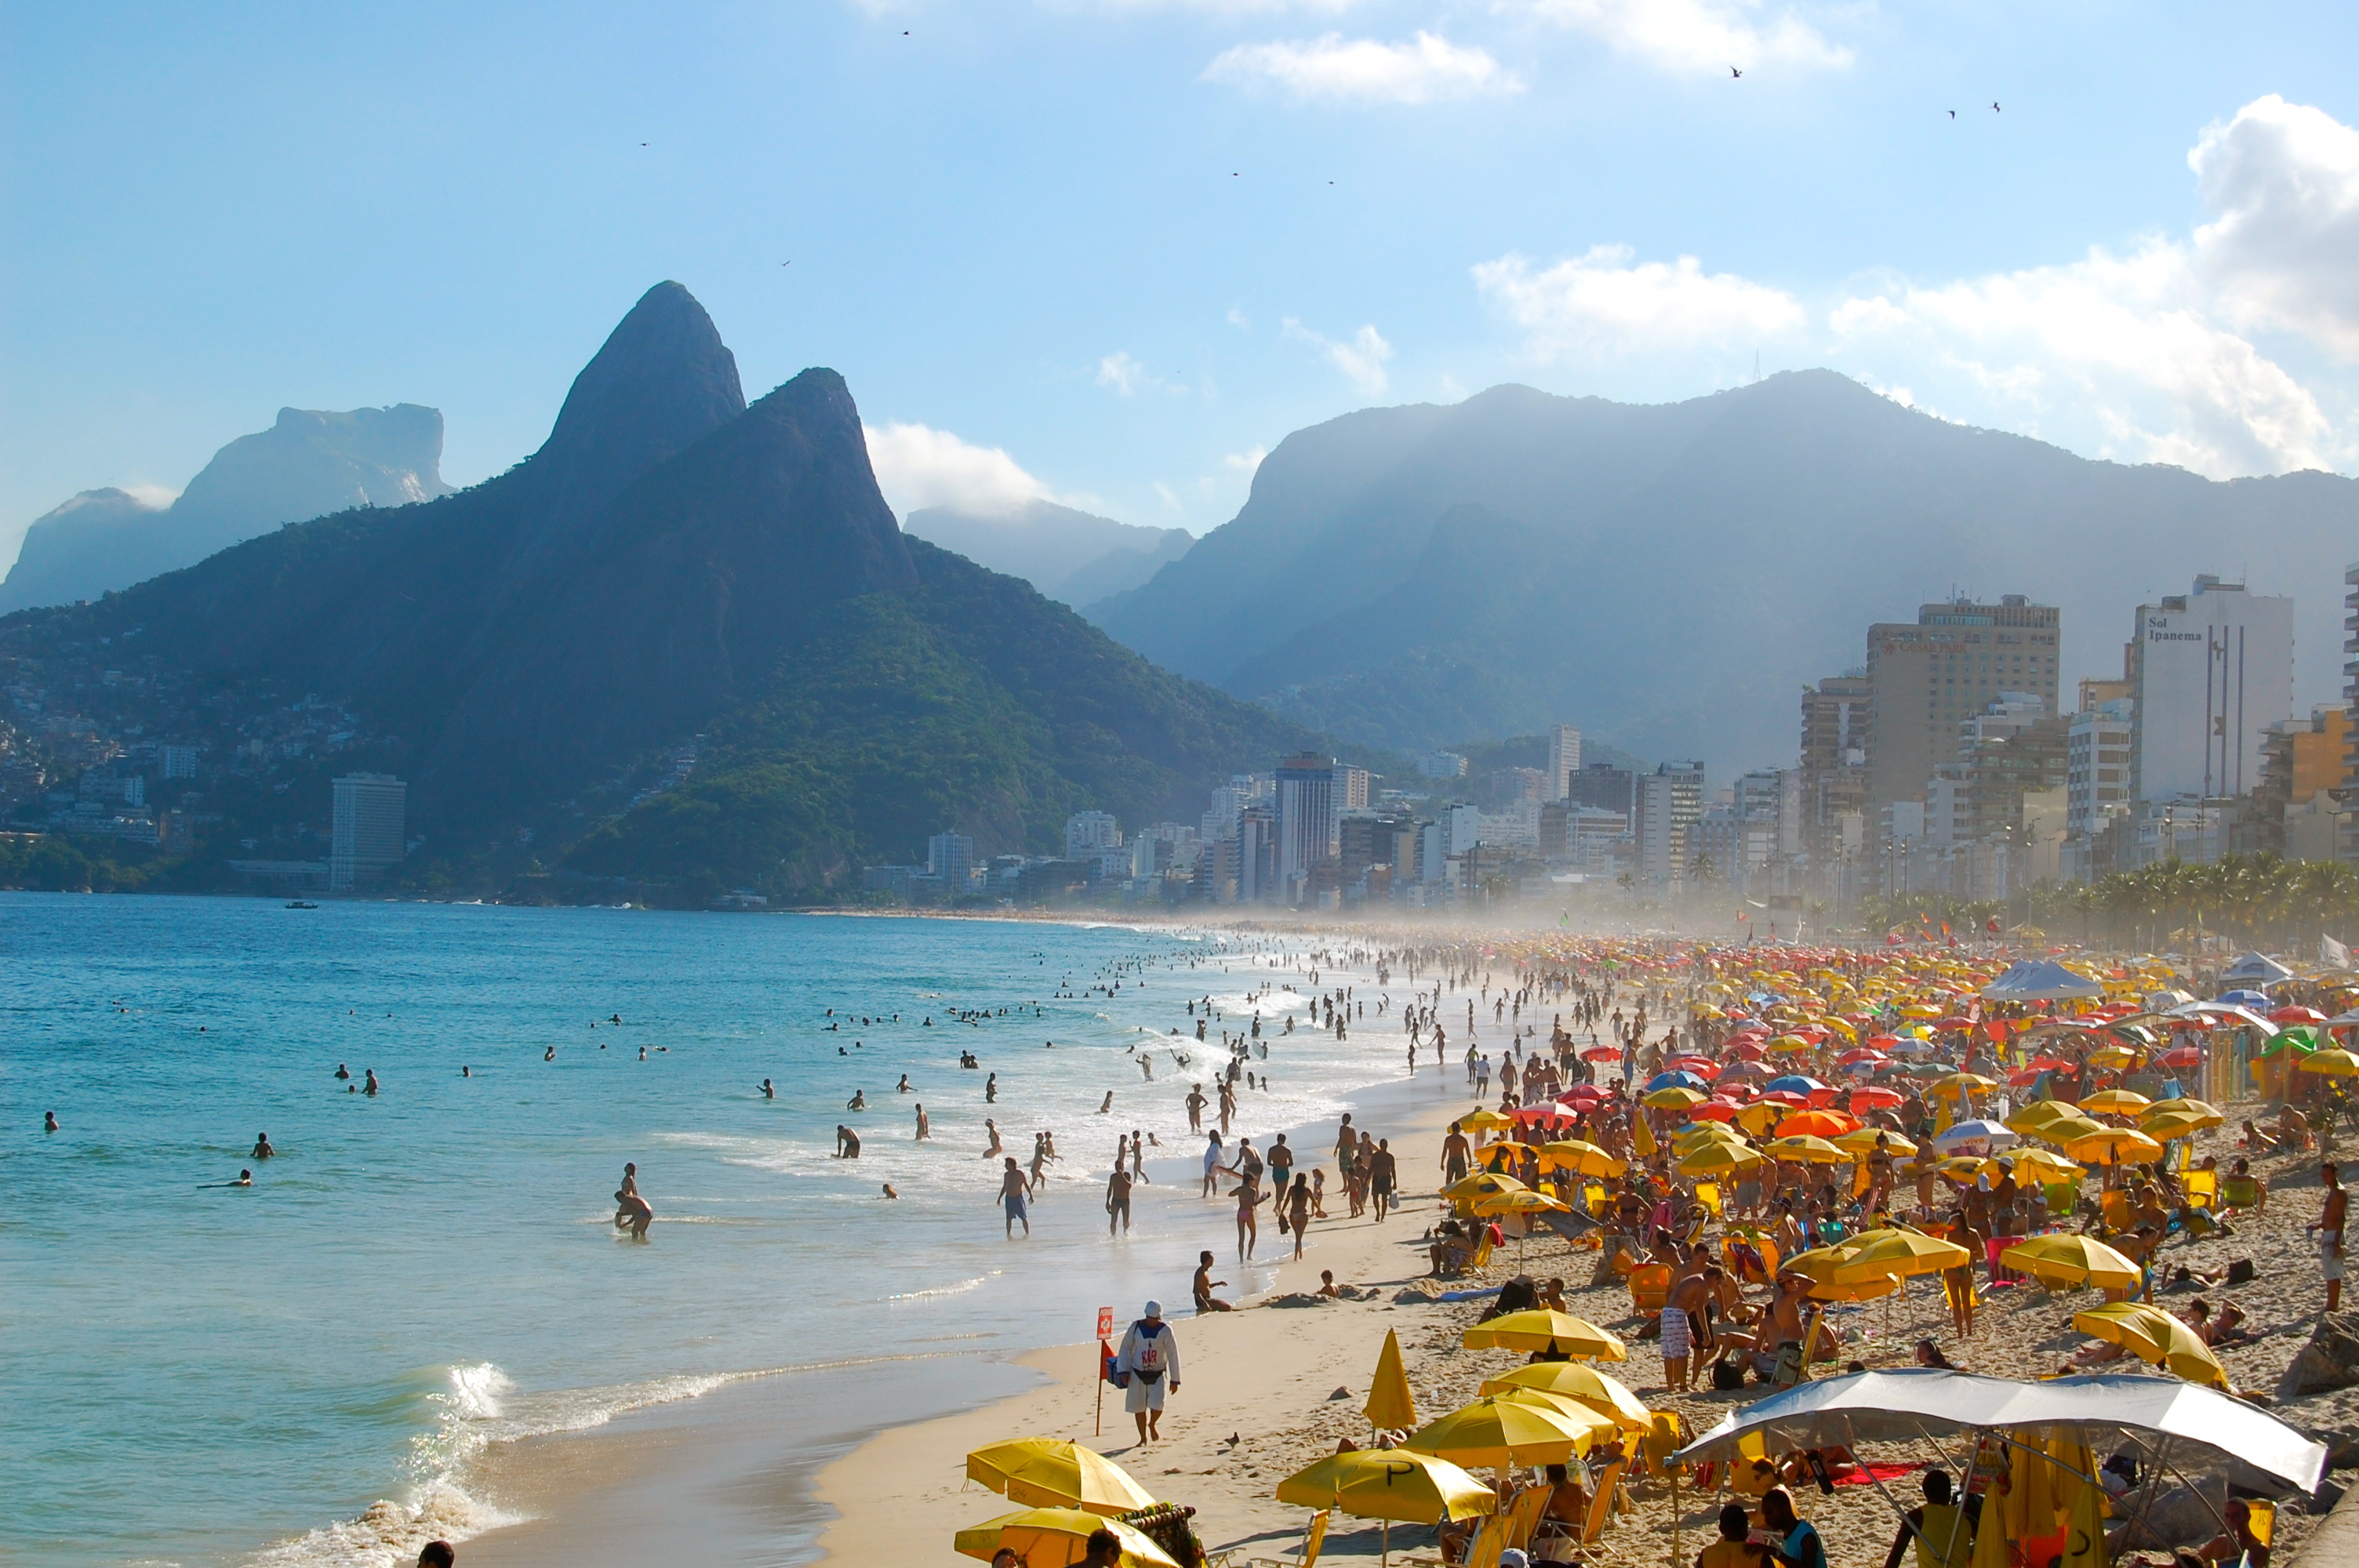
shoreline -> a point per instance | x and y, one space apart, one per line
775 1467
1242 1372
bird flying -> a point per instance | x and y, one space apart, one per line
1733 72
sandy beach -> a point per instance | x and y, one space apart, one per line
1271 1378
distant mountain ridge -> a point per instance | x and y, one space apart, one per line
673 569
308 463
1070 556
1669 577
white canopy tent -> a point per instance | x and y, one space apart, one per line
2255 969
2040 980
2172 1419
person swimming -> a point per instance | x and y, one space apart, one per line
343 1072
368 1085
889 1192
903 1086
859 1100
549 1054
262 1149
49 1122
465 1071
768 1092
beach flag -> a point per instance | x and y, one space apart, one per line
1389 1405
1642 1138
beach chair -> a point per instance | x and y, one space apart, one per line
1666 1437
1523 1516
1490 1539
1708 1194
1482 1253
2116 1208
1650 1287
1601 1507
2201 1188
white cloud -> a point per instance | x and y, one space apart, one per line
1605 300
1246 463
1122 373
1237 320
2128 343
1361 358
1170 497
157 495
918 466
1694 36
2283 252
1334 69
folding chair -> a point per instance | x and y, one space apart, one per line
1523 1516
1650 1287
1601 1506
1489 1540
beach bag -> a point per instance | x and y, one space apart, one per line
1727 1374
2240 1271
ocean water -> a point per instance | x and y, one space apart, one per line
207 1374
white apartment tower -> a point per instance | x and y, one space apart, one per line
1564 761
2210 671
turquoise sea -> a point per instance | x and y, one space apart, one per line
202 1374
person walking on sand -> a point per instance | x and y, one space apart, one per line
2328 1229
1297 1211
1012 1198
1213 1165
1248 1216
1383 1172
1147 1363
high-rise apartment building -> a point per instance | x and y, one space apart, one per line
2210 670
2301 761
1088 832
1925 680
1602 786
1832 781
1257 881
1564 759
1668 804
364 838
951 856
2097 765
1307 817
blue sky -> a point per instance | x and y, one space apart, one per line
1110 250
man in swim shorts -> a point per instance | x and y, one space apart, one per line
1014 1190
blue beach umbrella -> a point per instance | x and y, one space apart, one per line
1675 1080
1793 1084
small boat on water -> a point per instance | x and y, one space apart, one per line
300 903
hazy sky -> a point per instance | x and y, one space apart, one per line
1111 249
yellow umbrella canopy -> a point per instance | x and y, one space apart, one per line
1760 1116
1543 1328
1920 1009
2062 1257
1056 1538
1051 1473
1675 1097
2037 1165
1583 1384
2115 1146
2152 1335
1565 1405
1485 1120
1389 1484
1497 1431
1959 1084
1900 1253
1581 1158
1482 1185
2115 1102
1687 1140
2335 1064
1820 1263
2112 1056
2209 1114
2173 1124
1526 1202
2066 1130
1862 1141
2039 1113
1713 1158
1803 1149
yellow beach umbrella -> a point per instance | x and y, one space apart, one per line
2037 1165
1920 1009
1390 1405
1861 1141
2173 1124
1389 1484
1901 1253
2066 1130
1760 1116
1675 1097
1583 1384
1543 1328
1493 1431
2152 1335
1803 1149
1485 1119
2207 1115
2115 1102
1694 1137
1788 1043
2039 1113
2335 1064
2064 1258
1482 1185
1957 1085
1820 1263
1581 1158
1052 1473
2115 1146
1713 1158
1565 1405
1056 1538
2112 1056
1524 1201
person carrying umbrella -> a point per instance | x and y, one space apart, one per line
1148 1366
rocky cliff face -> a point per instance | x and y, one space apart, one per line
307 464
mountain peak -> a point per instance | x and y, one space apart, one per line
661 382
